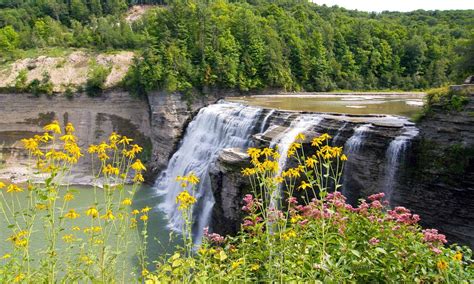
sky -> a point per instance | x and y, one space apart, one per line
399 5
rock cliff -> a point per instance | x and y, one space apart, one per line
438 180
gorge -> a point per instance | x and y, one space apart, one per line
210 136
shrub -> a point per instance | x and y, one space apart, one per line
20 81
96 79
37 87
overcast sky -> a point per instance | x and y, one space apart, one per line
399 5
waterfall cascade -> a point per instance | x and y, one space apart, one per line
351 147
283 142
394 156
228 125
214 128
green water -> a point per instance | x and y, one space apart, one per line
159 242
394 104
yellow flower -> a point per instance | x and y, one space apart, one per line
68 138
125 140
69 128
343 157
41 206
108 216
87 260
72 214
92 211
442 265
288 235
145 272
310 162
19 239
2 185
19 278
304 185
138 178
7 255
114 137
185 200
458 256
138 166
254 267
146 209
30 144
127 202
136 149
135 212
53 127
13 188
110 170
300 137
76 228
68 197
68 238
248 171
144 218
93 149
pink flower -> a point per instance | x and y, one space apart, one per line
432 236
377 196
292 200
374 241
213 237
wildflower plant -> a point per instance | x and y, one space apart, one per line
68 252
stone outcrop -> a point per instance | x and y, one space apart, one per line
228 188
438 181
94 119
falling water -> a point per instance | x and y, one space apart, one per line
338 134
351 147
215 127
264 122
394 156
284 140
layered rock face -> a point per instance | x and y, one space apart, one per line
23 116
365 172
438 180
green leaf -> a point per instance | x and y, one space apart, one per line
381 250
356 253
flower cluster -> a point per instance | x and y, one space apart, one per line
213 238
185 200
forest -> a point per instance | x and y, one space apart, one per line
249 45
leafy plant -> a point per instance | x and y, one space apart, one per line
96 78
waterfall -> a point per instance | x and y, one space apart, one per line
264 122
284 141
214 128
394 156
351 147
338 134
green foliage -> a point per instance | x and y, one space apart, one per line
20 81
96 79
447 99
297 45
43 86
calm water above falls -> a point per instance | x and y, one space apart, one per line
404 104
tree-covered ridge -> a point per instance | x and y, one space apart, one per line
299 45
253 44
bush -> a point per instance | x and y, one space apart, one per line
96 79
37 87
20 81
